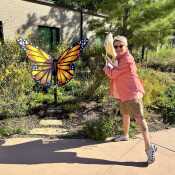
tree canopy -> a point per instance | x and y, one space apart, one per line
144 22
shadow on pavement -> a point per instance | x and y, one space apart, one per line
38 152
2 141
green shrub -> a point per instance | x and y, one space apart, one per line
166 104
40 98
72 88
155 83
105 127
94 86
9 53
90 71
15 82
101 128
163 56
71 107
7 131
16 90
160 93
103 89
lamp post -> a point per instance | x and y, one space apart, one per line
81 23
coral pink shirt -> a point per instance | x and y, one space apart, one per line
124 81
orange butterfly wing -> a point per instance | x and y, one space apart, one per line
65 66
42 64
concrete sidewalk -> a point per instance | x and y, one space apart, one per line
29 156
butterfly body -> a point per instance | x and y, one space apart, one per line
44 68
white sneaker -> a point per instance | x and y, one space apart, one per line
120 138
151 153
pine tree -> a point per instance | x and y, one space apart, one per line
146 23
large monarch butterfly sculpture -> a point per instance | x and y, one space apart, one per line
45 68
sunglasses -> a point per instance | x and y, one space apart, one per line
118 46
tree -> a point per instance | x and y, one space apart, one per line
85 4
146 23
80 5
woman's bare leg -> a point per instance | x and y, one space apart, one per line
144 129
126 124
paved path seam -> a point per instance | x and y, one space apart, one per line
159 145
124 154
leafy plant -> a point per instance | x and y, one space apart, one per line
155 83
106 126
15 82
166 104
7 131
163 59
101 128
16 90
71 107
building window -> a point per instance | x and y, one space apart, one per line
1 32
49 36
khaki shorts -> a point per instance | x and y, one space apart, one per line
132 107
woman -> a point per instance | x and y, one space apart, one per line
126 86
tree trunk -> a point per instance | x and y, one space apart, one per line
81 24
143 53
124 21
